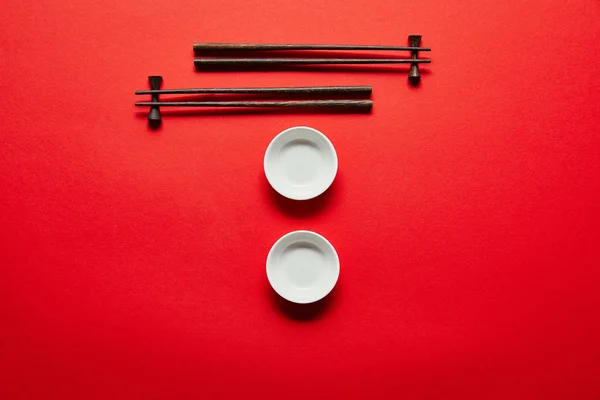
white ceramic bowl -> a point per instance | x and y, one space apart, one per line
300 163
303 267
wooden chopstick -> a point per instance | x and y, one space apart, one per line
253 47
363 90
364 104
199 62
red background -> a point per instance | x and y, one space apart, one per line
465 212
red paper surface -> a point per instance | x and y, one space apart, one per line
465 213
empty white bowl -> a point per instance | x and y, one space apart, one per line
300 163
303 267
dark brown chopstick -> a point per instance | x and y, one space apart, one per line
363 90
364 104
252 47
199 62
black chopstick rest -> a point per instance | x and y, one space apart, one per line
414 76
154 118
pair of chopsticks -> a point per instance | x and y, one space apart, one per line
413 40
156 81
